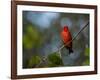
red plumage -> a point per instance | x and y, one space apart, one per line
66 38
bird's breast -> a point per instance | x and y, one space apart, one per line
65 36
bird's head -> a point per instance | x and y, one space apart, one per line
65 28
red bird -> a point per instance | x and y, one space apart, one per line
66 37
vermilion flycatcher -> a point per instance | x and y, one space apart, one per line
66 37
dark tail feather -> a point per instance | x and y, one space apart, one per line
70 50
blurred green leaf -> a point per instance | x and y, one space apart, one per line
86 62
27 42
34 61
54 60
87 51
32 37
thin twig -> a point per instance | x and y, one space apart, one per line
45 57
42 60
